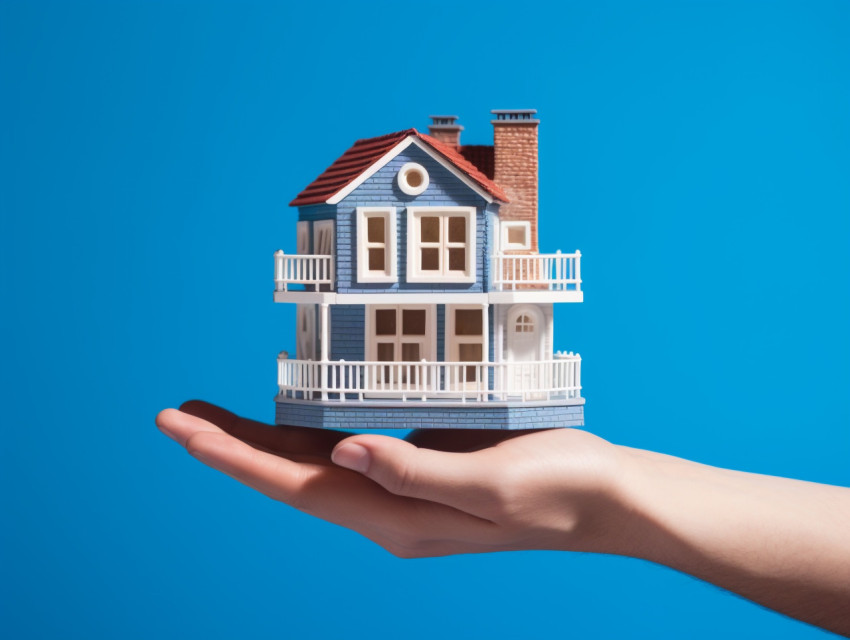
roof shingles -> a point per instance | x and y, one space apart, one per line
366 152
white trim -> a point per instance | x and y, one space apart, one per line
402 178
414 273
494 297
392 153
457 173
390 239
506 226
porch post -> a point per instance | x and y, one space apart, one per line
485 339
326 336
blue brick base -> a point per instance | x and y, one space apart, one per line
428 416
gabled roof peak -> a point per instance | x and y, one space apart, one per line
367 152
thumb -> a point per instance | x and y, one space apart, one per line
404 469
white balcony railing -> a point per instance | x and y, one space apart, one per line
546 271
536 272
308 270
557 379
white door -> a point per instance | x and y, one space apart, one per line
399 334
323 245
525 337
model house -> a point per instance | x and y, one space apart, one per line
421 298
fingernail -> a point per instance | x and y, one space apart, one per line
352 456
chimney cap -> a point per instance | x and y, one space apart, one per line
518 116
445 122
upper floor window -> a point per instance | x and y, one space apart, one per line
441 244
413 179
516 236
376 244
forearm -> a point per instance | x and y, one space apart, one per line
782 543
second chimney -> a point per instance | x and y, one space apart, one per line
446 130
515 143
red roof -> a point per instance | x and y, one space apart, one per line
364 153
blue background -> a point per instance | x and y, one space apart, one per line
696 153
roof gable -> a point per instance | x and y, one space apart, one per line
368 155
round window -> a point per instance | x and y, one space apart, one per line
413 179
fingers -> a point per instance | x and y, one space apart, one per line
456 479
405 526
282 439
181 426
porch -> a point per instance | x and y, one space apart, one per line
556 381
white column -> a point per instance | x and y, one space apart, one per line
485 339
326 337
326 333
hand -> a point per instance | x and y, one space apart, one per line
439 492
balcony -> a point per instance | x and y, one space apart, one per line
557 275
542 271
314 271
546 381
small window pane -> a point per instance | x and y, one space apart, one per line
376 225
385 322
386 352
516 235
430 259
413 322
376 260
457 259
414 178
470 352
410 352
430 229
457 229
468 322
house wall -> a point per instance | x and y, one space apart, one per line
382 189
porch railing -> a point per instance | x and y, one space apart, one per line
308 270
547 271
556 379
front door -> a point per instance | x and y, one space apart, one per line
465 343
525 330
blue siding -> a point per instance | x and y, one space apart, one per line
347 331
427 416
382 189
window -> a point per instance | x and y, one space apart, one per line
400 334
413 179
524 324
441 244
376 244
465 337
516 236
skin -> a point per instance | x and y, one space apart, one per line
782 543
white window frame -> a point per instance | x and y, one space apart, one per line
364 274
428 342
414 272
515 246
405 186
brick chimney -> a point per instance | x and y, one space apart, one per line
446 130
515 142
